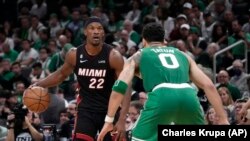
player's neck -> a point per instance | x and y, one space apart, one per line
91 50
155 44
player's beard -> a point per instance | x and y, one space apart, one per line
96 43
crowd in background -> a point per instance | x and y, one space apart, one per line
35 35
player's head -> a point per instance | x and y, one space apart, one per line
153 32
94 31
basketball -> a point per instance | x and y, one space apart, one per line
36 99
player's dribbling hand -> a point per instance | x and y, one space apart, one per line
120 130
105 129
32 85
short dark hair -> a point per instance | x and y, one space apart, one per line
37 65
34 16
53 40
63 111
137 104
16 63
46 49
153 32
26 40
45 31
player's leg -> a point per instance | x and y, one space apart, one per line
85 129
151 116
190 111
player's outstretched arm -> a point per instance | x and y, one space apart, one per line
202 81
126 77
119 127
116 97
118 92
62 73
117 63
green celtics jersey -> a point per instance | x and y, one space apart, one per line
163 65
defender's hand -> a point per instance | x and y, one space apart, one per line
120 130
105 129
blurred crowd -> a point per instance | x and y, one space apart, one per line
35 35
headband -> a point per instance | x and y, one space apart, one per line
93 19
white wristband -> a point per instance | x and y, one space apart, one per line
109 119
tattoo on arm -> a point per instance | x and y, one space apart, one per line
133 64
136 57
130 69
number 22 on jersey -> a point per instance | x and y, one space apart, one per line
96 83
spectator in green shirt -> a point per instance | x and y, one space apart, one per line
223 80
56 62
238 52
43 40
58 58
6 72
23 31
9 53
133 35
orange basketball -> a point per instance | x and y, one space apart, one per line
36 99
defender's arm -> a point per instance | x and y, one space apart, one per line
125 76
202 81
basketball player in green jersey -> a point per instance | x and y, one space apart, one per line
166 72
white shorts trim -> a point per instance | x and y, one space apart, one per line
172 85
136 139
